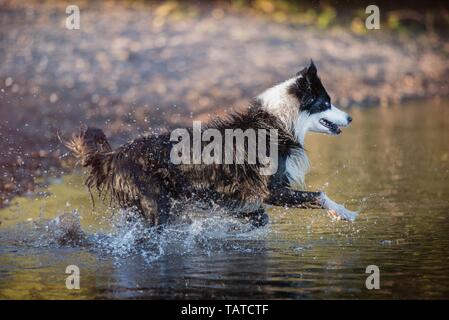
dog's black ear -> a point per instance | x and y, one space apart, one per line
311 69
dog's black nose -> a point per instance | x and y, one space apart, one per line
349 119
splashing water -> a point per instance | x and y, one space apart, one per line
199 230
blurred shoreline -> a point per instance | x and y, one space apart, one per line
138 66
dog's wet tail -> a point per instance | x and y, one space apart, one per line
92 148
87 144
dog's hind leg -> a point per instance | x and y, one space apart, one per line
154 202
155 208
257 218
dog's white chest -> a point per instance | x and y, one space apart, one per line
296 167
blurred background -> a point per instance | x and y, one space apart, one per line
136 66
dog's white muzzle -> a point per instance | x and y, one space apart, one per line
329 121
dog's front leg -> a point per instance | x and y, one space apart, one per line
308 200
286 197
336 209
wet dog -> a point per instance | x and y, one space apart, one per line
141 175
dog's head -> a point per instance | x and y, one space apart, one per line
304 105
316 111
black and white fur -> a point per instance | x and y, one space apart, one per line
140 175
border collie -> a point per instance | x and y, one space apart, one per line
140 175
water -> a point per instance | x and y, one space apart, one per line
392 164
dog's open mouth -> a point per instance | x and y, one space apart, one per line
333 128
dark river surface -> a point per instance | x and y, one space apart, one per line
392 164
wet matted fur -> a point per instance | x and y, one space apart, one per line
140 174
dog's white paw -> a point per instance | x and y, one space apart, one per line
337 210
344 214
